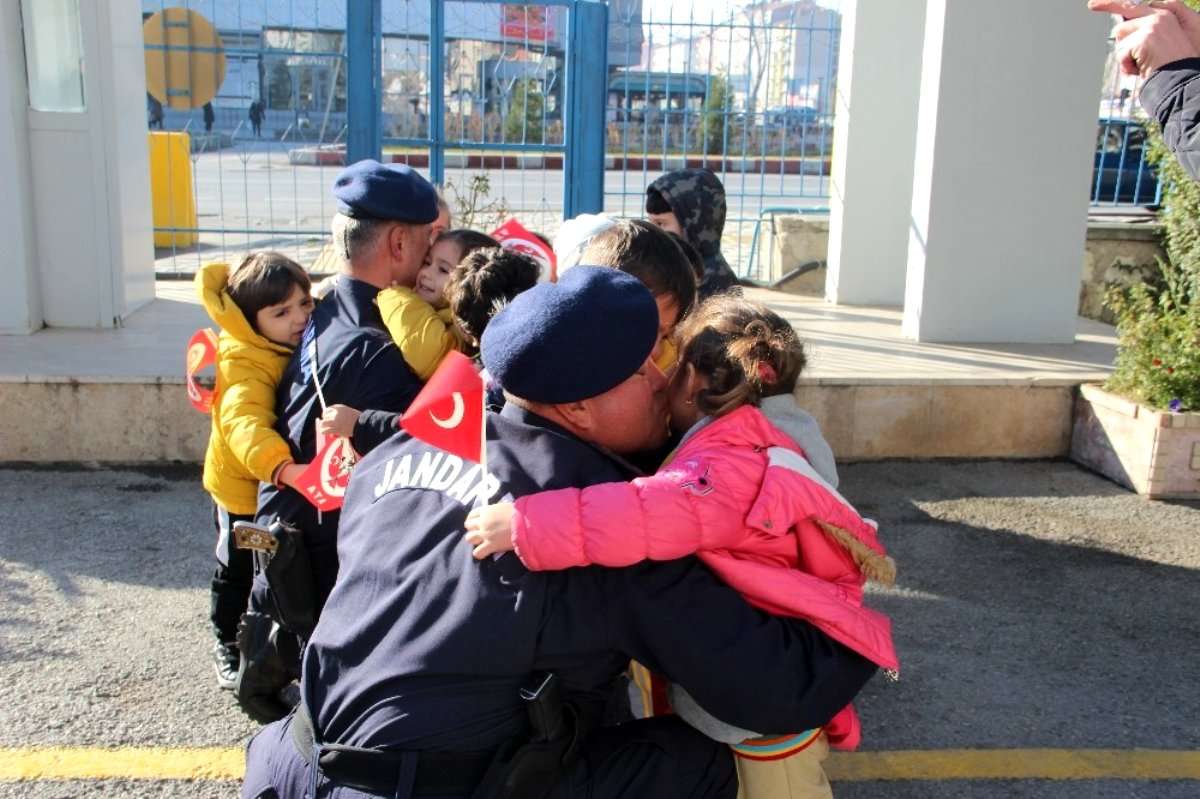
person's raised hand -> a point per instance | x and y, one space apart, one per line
1128 9
1154 33
489 529
1146 44
1188 19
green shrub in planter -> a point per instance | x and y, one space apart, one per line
1158 340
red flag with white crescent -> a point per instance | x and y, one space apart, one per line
512 235
448 413
201 353
324 482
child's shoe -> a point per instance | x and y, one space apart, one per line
225 660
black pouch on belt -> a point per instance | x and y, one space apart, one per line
533 768
290 577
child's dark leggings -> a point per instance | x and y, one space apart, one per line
232 579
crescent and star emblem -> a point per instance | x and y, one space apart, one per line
195 355
455 418
335 468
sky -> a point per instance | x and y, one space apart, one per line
701 9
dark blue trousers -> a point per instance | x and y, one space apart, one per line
656 758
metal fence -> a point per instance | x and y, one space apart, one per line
279 76
477 96
481 111
745 90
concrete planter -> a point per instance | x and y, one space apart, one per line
1153 452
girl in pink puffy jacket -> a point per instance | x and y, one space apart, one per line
751 491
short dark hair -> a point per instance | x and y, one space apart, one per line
483 282
468 241
656 203
650 254
263 279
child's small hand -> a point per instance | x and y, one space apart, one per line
489 529
338 420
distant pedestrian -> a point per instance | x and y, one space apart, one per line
156 111
256 117
209 117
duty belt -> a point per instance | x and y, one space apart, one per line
382 771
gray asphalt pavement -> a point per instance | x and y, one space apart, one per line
1037 606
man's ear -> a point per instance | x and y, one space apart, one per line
578 414
397 241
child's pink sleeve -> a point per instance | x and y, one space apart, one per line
666 516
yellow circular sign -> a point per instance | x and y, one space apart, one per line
185 58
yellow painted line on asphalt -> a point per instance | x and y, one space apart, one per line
140 763
216 763
1015 764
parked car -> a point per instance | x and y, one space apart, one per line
1121 175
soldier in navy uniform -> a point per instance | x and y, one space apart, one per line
431 674
381 233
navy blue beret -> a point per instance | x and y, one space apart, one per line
370 190
574 339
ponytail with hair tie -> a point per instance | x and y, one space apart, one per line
744 349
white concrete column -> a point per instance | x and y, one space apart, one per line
874 138
20 302
1006 132
89 165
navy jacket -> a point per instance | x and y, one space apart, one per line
358 365
422 647
1172 96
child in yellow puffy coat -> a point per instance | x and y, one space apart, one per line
419 319
262 308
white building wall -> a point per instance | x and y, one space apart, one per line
78 216
874 139
1005 135
20 301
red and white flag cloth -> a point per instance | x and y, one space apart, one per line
324 482
201 353
512 235
448 413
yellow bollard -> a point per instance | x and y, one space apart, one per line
171 197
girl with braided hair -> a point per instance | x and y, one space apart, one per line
751 491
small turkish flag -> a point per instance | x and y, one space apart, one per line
512 235
201 352
324 482
448 413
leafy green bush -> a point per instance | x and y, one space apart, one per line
1158 332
